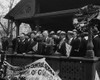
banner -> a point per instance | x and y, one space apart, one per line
38 70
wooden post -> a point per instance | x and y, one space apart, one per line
17 27
90 52
17 33
10 50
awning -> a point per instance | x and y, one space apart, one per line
24 9
27 9
56 13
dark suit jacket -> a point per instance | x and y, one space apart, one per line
30 45
21 47
83 47
96 43
5 45
62 47
15 44
62 50
75 43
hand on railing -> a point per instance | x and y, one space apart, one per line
24 53
30 52
15 52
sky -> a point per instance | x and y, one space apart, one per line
4 6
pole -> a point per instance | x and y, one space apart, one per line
90 52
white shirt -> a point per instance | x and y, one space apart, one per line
70 40
86 37
95 36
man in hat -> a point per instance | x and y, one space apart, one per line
75 43
96 42
70 36
32 45
62 44
21 44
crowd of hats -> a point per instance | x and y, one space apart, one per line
59 32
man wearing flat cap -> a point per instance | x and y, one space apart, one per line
62 44
70 36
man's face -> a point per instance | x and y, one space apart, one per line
26 37
45 34
62 36
22 37
69 36
32 35
75 34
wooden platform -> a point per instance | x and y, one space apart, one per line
72 68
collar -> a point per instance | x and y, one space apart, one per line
95 36
86 37
23 40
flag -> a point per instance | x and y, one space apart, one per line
38 70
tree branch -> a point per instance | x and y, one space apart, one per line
3 27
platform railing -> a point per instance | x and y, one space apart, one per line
70 68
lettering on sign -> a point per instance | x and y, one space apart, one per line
33 72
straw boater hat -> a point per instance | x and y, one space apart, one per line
52 32
74 30
63 33
58 32
70 32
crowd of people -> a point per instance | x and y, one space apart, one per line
69 43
